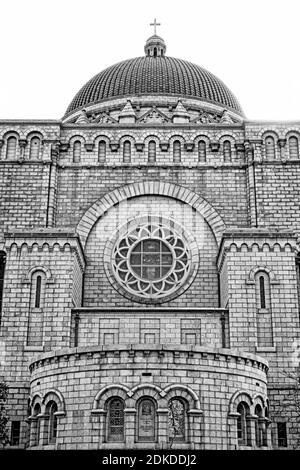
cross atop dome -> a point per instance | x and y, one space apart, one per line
154 24
155 45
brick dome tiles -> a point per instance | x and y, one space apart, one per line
161 75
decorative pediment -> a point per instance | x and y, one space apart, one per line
205 117
154 116
102 118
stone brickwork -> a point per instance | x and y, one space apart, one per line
235 201
210 381
168 326
203 291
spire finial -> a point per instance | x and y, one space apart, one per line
155 25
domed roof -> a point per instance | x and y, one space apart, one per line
155 74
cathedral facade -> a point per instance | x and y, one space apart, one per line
149 267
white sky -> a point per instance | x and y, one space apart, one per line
50 48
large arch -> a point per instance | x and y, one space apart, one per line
143 188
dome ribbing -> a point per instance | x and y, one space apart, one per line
154 75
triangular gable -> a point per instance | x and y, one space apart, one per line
155 116
103 118
206 118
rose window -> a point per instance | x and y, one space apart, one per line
151 261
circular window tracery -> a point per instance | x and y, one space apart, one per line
151 261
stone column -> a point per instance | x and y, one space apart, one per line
162 418
129 418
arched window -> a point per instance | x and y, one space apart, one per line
262 282
243 425
146 431
35 425
115 420
270 148
34 151
11 147
293 147
202 151
36 304
263 309
258 426
51 411
77 151
2 269
127 151
177 420
227 151
282 434
176 151
102 151
38 292
152 151
262 292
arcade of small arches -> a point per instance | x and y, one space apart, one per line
13 147
150 412
272 148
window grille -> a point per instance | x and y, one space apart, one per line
176 419
116 420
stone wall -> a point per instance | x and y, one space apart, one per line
209 380
169 326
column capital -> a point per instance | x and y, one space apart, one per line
281 142
23 142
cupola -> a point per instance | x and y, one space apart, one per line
155 47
